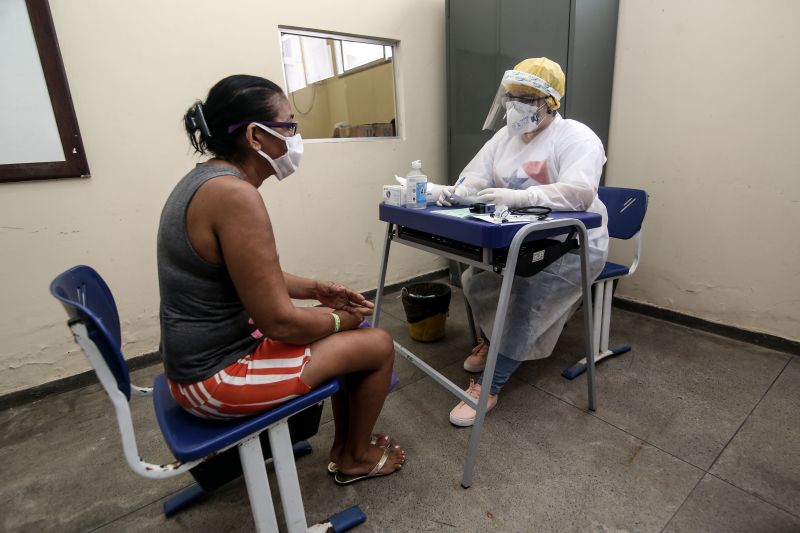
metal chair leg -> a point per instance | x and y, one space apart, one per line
286 472
255 476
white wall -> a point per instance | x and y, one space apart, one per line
706 118
133 69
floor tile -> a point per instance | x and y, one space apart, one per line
764 456
543 465
684 391
63 464
718 507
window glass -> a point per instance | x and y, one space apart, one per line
30 132
293 63
39 135
340 87
357 54
317 60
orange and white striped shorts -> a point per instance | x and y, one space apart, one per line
257 382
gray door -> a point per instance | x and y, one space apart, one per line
484 39
487 37
472 50
591 63
533 29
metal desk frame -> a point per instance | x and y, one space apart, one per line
500 316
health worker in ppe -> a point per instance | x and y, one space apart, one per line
233 341
536 158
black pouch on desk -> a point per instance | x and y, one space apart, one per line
225 467
537 255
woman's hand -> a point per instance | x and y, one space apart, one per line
337 296
349 319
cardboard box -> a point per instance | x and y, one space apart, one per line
342 131
393 195
383 129
363 130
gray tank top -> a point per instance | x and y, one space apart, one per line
204 326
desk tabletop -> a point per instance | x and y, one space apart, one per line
473 231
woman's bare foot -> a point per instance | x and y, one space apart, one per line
378 439
358 466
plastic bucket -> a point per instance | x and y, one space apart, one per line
426 306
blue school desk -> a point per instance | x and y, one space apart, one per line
494 247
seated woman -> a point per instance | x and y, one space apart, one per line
222 285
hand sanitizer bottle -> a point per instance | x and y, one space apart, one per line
416 183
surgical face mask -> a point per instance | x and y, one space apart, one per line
286 164
521 117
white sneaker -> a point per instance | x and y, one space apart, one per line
462 414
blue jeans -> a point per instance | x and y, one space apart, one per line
503 369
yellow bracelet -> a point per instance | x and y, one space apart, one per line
337 323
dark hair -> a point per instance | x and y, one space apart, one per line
235 99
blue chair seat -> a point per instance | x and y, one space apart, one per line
190 437
613 270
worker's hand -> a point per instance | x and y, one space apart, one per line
337 296
511 197
446 197
443 193
457 195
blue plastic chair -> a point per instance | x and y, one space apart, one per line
626 210
94 322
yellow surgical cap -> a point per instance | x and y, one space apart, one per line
546 69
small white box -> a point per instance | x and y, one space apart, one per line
393 195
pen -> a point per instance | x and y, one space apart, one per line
458 182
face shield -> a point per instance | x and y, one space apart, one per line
518 90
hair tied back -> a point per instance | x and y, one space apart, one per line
196 120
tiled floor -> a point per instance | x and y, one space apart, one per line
692 432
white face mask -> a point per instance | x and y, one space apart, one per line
521 117
286 164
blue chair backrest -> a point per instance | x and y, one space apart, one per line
87 298
626 210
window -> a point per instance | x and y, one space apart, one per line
39 136
340 86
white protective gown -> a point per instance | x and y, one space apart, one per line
560 168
